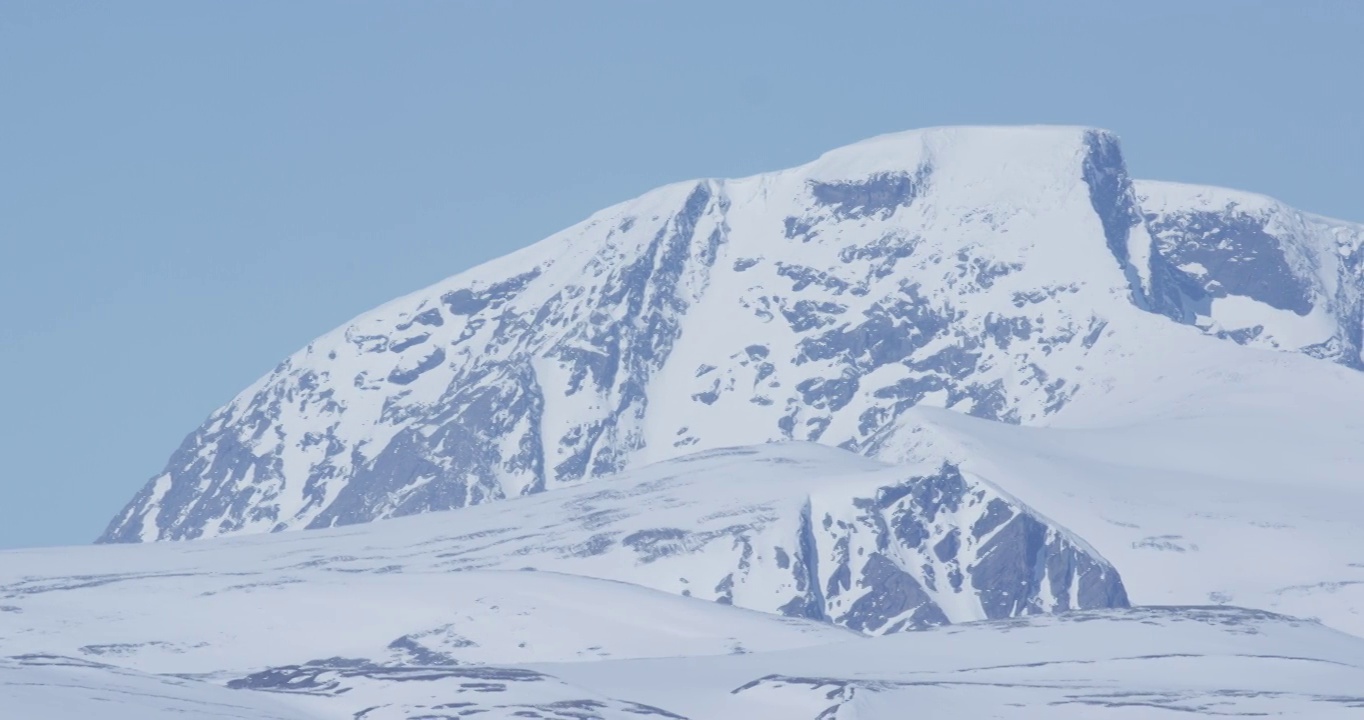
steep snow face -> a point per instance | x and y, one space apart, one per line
971 268
1250 269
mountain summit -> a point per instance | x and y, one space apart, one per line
1004 273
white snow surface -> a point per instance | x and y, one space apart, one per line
516 609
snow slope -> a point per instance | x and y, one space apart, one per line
994 271
796 530
1138 663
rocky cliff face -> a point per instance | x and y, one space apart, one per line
1249 269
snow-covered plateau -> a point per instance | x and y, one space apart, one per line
962 422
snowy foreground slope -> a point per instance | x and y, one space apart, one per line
1138 663
998 272
795 530
595 602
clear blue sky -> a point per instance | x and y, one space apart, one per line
190 191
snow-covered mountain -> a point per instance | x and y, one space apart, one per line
975 382
999 272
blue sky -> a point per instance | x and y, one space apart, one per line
191 191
